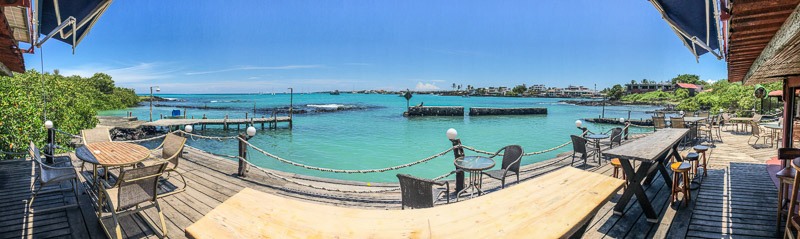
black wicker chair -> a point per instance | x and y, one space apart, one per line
579 147
614 137
419 192
512 155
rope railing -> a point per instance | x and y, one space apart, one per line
220 138
143 140
525 154
212 153
68 134
330 170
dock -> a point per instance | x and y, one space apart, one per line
226 123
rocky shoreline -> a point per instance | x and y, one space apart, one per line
609 103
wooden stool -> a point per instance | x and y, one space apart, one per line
785 178
692 158
617 167
792 219
680 169
701 149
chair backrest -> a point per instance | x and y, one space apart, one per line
658 114
415 192
36 156
173 146
756 128
616 135
138 185
96 135
726 117
788 153
578 144
757 117
512 157
677 122
659 122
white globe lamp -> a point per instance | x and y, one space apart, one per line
452 134
48 124
251 131
188 128
578 123
622 120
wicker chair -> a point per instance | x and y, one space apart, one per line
677 122
420 193
51 175
659 122
703 114
96 135
134 187
171 149
579 146
512 156
758 134
615 136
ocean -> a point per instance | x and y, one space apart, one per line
366 131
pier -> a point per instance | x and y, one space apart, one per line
226 123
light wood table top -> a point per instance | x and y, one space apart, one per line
649 147
550 206
741 119
112 153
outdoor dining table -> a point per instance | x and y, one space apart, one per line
652 151
111 154
741 120
596 138
775 130
474 165
694 121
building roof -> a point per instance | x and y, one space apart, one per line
687 86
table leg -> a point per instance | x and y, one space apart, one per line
635 187
659 165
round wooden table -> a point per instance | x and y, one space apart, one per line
109 154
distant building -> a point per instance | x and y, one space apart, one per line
538 88
693 89
577 91
648 87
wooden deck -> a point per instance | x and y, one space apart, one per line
737 199
224 122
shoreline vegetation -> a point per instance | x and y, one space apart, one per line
71 102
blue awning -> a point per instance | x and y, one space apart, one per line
86 12
696 22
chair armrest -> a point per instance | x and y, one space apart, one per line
497 153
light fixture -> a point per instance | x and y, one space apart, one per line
48 124
622 120
158 89
251 131
681 112
578 123
188 128
452 133
721 110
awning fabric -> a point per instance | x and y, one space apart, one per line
86 12
696 23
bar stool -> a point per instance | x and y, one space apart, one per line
792 219
680 173
692 158
701 149
617 166
785 178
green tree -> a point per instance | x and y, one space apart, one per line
615 92
519 89
688 78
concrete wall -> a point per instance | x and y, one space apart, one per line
476 111
435 111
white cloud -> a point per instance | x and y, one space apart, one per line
127 74
425 86
249 68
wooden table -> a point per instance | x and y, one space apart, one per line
741 120
775 129
110 154
652 150
553 205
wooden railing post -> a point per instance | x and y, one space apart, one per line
457 153
51 144
243 154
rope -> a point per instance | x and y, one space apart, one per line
12 153
525 154
143 140
380 170
215 154
207 137
271 174
68 134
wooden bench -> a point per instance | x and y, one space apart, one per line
552 205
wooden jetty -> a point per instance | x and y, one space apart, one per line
736 199
226 123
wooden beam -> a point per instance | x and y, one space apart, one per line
789 30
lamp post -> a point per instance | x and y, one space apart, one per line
251 131
51 140
458 152
579 123
625 129
151 100
291 108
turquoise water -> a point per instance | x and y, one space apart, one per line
374 134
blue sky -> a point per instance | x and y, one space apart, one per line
265 46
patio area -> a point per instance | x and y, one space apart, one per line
737 198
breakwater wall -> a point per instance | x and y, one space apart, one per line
642 122
476 111
435 111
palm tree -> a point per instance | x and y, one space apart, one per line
454 86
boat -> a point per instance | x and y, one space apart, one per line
336 92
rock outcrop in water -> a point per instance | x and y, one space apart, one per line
435 111
476 111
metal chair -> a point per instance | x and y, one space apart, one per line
512 156
757 134
52 175
96 135
171 149
677 122
615 136
420 193
134 187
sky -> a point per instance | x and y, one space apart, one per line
267 46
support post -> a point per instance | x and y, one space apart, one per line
291 106
51 143
243 154
457 153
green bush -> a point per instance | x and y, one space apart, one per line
71 103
